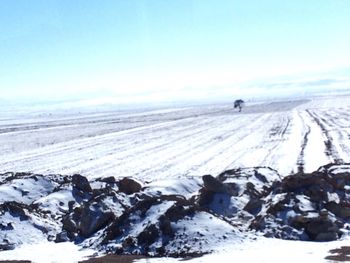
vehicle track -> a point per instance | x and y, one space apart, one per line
124 141
191 141
330 148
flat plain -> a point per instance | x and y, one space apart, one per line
288 136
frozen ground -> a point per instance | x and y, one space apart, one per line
265 250
47 252
160 146
286 136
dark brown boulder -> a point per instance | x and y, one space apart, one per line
213 185
81 183
109 180
341 210
94 219
129 186
148 235
253 206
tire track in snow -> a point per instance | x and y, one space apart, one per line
182 153
125 158
242 146
99 144
91 143
95 140
301 161
224 150
194 142
337 124
330 149
275 140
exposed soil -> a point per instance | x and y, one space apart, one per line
301 155
113 259
339 254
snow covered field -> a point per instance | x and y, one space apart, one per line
158 147
285 136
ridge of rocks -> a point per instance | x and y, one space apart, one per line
186 217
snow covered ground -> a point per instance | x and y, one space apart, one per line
182 141
265 250
47 252
153 145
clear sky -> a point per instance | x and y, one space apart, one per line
131 50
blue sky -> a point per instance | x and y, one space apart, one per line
134 50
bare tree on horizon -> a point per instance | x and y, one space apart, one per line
238 104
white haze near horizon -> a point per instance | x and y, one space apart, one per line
279 88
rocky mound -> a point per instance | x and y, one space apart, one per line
313 206
179 217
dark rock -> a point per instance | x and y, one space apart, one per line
129 186
7 246
342 210
161 250
81 183
165 226
212 184
251 191
7 226
205 197
261 177
17 209
94 220
87 219
326 236
62 237
253 206
148 235
177 212
109 180
318 228
69 225
129 242
119 250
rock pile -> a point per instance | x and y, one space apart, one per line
125 216
313 206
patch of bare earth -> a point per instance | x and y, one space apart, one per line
113 259
339 254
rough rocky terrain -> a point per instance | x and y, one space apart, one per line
183 217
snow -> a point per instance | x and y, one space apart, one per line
200 226
47 252
342 169
314 150
161 146
305 205
174 186
264 250
23 190
151 217
174 142
56 203
20 231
